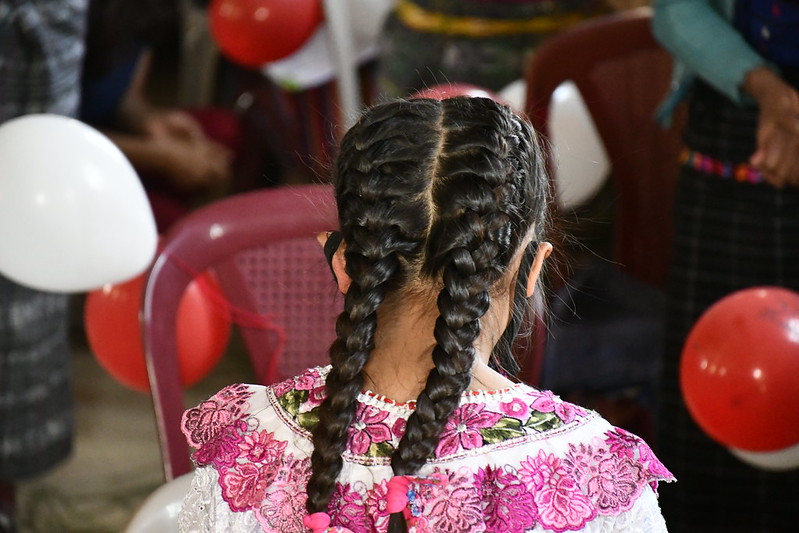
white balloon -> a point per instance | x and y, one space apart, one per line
779 460
159 512
73 213
582 164
515 95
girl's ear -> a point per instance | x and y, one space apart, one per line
544 249
335 257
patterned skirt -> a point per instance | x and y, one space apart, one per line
729 235
36 410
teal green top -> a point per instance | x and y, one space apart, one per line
705 44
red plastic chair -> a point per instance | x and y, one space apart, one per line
275 281
622 74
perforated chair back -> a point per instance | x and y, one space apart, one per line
274 280
622 74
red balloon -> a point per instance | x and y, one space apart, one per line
111 319
448 90
254 32
739 370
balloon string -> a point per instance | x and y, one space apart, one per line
238 315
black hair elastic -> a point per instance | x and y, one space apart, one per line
331 246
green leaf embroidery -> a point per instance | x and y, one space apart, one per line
505 428
380 449
542 422
308 420
292 400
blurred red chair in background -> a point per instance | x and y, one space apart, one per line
623 75
274 280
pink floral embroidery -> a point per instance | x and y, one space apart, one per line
516 408
284 503
235 397
508 505
462 429
224 448
261 447
398 429
616 483
376 506
283 387
244 486
317 391
368 428
203 423
283 509
307 380
547 402
348 507
453 506
622 442
561 505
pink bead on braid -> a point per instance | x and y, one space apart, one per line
397 494
320 523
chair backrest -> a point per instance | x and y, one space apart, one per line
622 74
274 279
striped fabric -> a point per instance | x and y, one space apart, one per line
728 236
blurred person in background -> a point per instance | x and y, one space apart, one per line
736 226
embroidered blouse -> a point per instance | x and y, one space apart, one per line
514 460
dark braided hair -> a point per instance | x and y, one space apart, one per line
444 192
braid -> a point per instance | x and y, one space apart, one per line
442 192
479 195
380 224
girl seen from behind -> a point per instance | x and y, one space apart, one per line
415 425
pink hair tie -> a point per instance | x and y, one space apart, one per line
317 522
397 494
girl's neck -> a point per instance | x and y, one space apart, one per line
402 357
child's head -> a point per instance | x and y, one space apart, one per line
436 198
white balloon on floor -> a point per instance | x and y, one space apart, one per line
582 164
73 213
159 512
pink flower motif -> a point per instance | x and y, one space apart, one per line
453 506
283 509
261 447
615 484
655 468
347 508
244 486
398 429
223 449
203 423
315 398
283 387
508 505
622 443
307 381
234 397
516 408
462 429
368 428
547 402
376 506
561 505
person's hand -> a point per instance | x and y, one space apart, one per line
173 123
193 165
777 154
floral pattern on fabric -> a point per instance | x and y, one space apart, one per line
525 485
